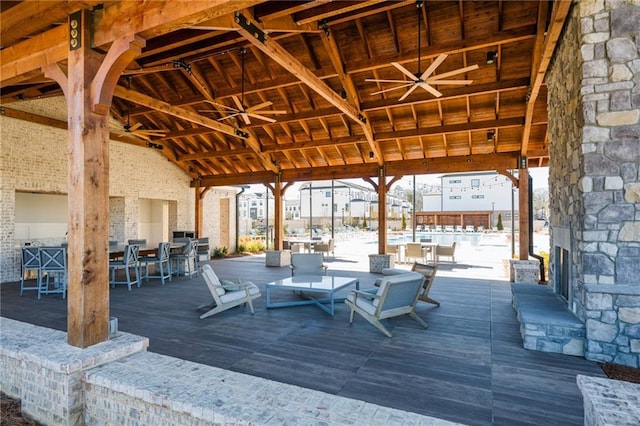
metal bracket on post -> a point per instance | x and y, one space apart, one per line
522 162
250 27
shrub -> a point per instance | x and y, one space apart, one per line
219 252
251 246
241 248
500 226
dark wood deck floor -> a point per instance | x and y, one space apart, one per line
468 366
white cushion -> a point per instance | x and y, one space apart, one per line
230 296
211 277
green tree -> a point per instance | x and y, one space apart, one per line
364 223
500 226
404 222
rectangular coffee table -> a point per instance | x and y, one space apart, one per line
309 286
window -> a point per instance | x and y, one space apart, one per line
475 183
455 181
477 197
455 197
327 194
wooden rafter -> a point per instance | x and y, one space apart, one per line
542 58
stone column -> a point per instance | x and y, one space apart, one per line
594 132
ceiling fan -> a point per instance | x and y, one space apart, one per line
138 131
424 79
240 109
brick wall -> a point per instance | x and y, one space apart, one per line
33 159
118 382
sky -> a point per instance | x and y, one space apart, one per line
540 176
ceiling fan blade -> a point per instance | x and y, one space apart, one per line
458 71
223 106
404 71
411 89
260 106
238 103
157 68
229 116
409 83
436 82
430 89
271 111
385 81
435 64
262 117
245 118
134 127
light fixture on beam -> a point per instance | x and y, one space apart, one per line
491 57
491 134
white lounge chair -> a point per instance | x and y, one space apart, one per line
397 295
226 296
307 264
429 272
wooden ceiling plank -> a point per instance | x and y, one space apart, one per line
386 7
542 57
454 47
331 9
394 32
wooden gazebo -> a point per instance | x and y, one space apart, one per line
272 92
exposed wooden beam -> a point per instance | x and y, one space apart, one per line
467 163
59 124
543 58
352 93
142 99
289 62
215 154
159 18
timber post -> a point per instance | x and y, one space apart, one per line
88 87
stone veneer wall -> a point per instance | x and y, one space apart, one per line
594 132
33 159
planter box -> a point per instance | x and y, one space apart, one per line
278 257
524 271
378 262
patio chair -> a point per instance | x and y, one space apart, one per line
226 294
30 262
307 264
324 248
397 295
161 262
429 273
53 270
128 262
446 251
393 249
186 261
414 251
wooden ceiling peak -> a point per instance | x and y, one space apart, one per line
311 59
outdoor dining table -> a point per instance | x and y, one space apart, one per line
431 250
306 243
